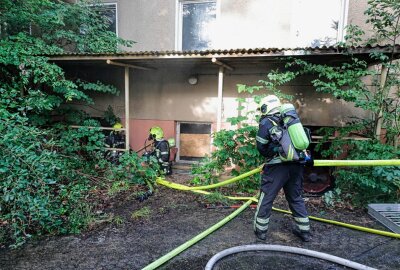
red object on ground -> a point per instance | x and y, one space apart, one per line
172 153
317 180
210 206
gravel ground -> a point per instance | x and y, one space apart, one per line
175 217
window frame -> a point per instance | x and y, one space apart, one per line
116 13
179 18
344 15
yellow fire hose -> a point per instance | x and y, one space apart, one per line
339 163
200 190
195 239
351 226
220 184
163 182
317 163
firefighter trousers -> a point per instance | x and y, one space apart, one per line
288 176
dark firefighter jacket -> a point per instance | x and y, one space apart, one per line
162 151
267 146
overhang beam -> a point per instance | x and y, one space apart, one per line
216 61
110 62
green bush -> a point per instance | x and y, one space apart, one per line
135 170
47 175
42 190
362 185
47 170
233 148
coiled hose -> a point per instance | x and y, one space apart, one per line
279 248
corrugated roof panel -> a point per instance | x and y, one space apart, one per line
239 52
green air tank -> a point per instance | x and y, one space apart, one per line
295 128
171 142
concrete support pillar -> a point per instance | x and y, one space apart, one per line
220 100
127 133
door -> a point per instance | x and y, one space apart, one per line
194 140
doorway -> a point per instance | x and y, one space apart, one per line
194 141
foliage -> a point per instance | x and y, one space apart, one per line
48 170
381 99
142 213
110 117
217 198
42 190
366 184
332 197
47 178
131 170
236 148
73 27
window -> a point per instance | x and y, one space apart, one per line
196 24
109 10
318 23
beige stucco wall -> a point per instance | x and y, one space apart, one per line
356 12
356 16
165 95
150 23
153 24
315 109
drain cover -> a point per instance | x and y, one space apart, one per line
387 214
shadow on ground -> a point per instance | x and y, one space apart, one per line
177 217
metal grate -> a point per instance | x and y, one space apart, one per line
387 214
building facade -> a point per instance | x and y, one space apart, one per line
180 87
230 24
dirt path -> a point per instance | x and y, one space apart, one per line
179 216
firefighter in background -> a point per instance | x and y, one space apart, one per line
116 138
278 174
161 149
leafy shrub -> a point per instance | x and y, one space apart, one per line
136 170
47 172
46 178
370 184
42 190
233 148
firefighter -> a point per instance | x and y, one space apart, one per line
116 138
278 174
161 149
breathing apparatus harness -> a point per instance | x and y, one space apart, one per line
288 132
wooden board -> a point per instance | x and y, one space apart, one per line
194 145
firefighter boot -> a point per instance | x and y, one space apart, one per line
305 236
261 235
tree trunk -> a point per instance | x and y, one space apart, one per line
379 120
